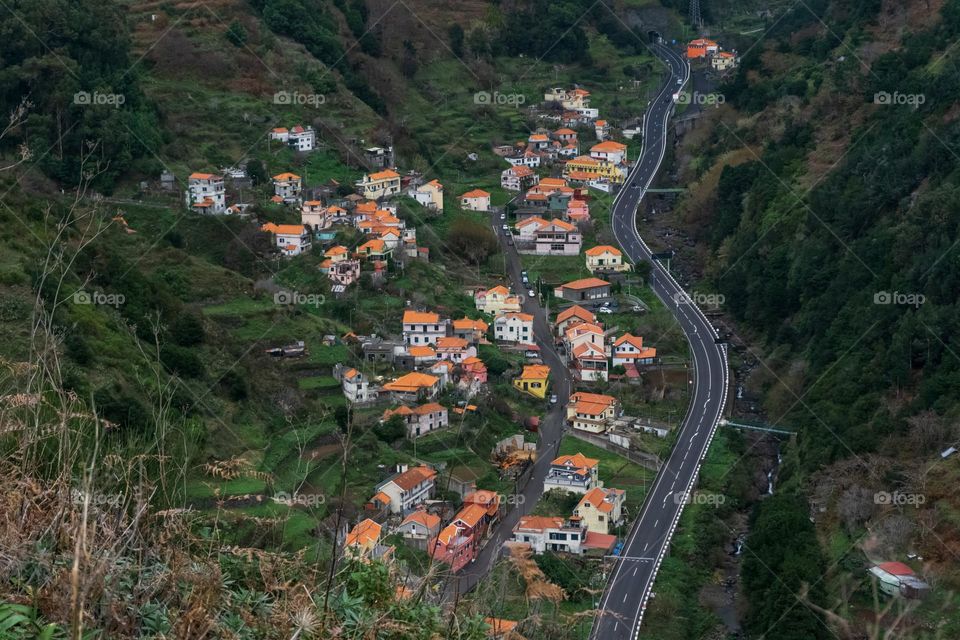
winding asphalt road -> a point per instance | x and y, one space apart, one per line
629 585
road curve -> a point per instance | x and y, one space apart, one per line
630 582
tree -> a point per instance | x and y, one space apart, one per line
391 429
472 241
456 36
187 330
236 33
257 172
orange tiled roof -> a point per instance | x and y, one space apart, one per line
421 517
535 372
476 193
411 382
412 477
388 174
366 532
420 317
602 249
576 460
586 283
284 177
576 311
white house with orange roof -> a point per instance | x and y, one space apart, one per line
602 129
206 193
280 133
528 227
576 473
475 200
314 215
423 327
609 151
291 239
557 238
605 258
629 350
287 186
600 510
514 327
303 139
701 48
496 300
381 184
421 419
518 178
409 488
455 349
550 533
356 386
592 412
429 194
590 362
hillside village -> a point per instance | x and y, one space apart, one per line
425 376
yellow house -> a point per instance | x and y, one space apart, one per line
605 258
429 195
496 300
723 60
379 185
584 168
533 380
601 509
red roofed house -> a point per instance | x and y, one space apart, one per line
314 215
488 500
409 488
898 579
381 184
724 60
421 419
550 533
363 539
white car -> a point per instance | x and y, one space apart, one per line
604 310
506 229
503 216
532 293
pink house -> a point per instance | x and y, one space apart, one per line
474 370
578 211
458 543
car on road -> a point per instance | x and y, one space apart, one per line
679 80
503 216
506 229
604 310
553 398
531 293
524 279
638 309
